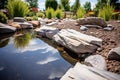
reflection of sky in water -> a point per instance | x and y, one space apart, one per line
38 61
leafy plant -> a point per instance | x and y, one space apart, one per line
40 14
106 12
34 18
59 14
49 13
65 4
3 17
80 12
17 8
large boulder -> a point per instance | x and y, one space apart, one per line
96 61
92 21
114 54
6 29
19 19
76 41
16 25
48 32
35 23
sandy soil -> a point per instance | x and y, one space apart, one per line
111 39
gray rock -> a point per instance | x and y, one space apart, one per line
92 21
52 23
26 25
96 61
48 32
93 26
6 29
19 19
108 28
76 41
83 28
114 54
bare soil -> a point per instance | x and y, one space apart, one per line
111 39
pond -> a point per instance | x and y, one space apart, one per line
23 56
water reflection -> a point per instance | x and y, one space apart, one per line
36 61
22 39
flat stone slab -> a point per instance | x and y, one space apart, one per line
76 41
82 72
6 28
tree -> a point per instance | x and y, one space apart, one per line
51 4
115 3
3 3
33 3
87 6
76 6
65 4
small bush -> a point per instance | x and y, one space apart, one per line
80 12
17 8
40 14
50 13
106 12
116 15
59 14
34 18
3 17
30 14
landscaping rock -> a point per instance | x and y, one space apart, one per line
6 29
83 28
108 28
15 25
96 61
52 23
19 19
76 41
35 23
92 21
48 32
92 26
26 25
114 54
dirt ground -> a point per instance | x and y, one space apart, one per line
111 39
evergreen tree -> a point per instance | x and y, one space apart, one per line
3 3
33 3
65 4
87 6
76 6
51 4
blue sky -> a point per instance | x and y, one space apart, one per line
42 3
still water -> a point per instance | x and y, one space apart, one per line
25 57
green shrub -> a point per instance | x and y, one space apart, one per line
80 12
50 13
3 17
40 14
34 18
59 14
30 14
17 8
115 15
106 12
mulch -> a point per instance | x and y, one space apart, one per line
111 39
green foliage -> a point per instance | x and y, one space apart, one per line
23 40
3 3
116 15
65 4
80 12
34 18
51 4
50 13
76 6
30 14
17 8
106 12
3 17
59 14
40 14
87 7
33 3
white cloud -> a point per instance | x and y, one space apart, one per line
47 60
54 75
